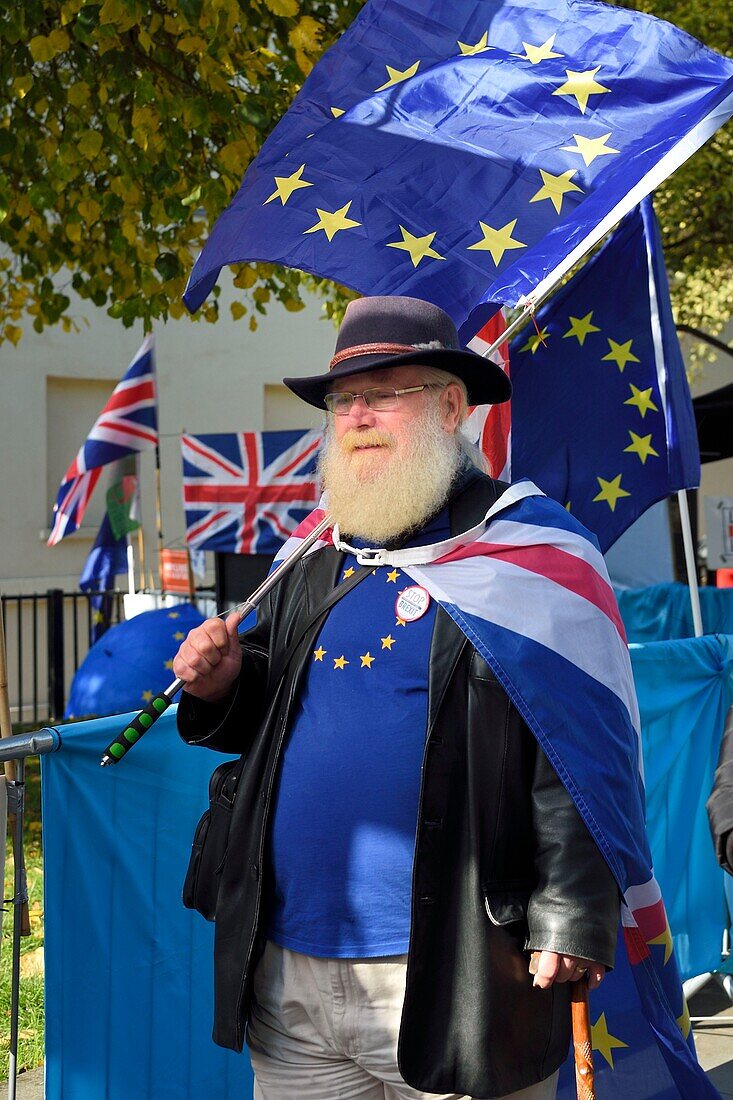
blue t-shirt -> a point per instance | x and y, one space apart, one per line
343 831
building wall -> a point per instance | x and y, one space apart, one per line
211 378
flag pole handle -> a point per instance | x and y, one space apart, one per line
157 706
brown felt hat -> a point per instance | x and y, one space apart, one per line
394 332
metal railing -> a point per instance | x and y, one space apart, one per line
48 636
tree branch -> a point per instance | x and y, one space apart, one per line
699 335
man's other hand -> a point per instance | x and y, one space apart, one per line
210 659
549 967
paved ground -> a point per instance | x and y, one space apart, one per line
714 1048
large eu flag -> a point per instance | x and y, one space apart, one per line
601 414
465 152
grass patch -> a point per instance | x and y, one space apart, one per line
30 1022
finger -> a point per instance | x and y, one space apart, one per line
231 625
596 974
547 967
569 969
216 630
183 671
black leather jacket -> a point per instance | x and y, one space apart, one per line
503 862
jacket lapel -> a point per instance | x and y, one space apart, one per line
466 508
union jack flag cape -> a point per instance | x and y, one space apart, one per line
529 589
246 492
128 423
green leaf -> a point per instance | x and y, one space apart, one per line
168 265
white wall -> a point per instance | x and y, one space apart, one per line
211 378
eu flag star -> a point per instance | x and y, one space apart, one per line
168 664
580 327
590 148
535 54
581 86
348 572
331 221
684 1023
603 1041
642 399
663 940
286 185
319 654
179 636
97 617
481 46
611 491
147 696
620 354
367 660
396 76
418 247
387 642
641 445
340 662
393 576
536 340
496 241
555 188
337 112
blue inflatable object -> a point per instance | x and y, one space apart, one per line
130 663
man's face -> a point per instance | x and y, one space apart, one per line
368 439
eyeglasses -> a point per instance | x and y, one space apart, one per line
377 398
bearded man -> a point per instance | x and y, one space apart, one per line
399 843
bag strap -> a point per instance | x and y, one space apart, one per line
333 597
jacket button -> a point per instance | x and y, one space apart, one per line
254 870
426 899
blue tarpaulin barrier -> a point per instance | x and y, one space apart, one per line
662 612
129 997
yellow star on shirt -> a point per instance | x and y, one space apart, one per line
580 327
387 642
349 572
590 148
620 354
179 636
684 1023
367 660
331 221
481 46
168 664
581 86
535 54
535 341
286 185
555 188
642 399
340 662
393 576
418 247
663 940
611 491
641 445
337 112
496 241
319 654
603 1041
147 696
396 76
401 622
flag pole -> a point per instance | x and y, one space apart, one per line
509 330
159 517
690 562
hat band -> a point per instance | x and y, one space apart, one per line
370 349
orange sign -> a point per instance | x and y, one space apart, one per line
175 572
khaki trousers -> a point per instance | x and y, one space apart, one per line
326 1029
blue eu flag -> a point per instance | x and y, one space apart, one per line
466 152
602 417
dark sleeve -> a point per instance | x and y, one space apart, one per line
720 803
574 908
230 725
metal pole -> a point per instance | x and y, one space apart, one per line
20 899
690 562
508 331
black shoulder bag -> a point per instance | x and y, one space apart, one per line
211 838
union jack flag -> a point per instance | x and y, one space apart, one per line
489 426
246 492
128 423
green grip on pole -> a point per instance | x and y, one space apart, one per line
139 725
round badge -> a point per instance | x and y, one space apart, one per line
412 603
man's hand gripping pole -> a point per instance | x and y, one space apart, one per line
142 722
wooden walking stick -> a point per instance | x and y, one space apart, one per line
582 1045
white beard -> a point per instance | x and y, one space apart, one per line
378 495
